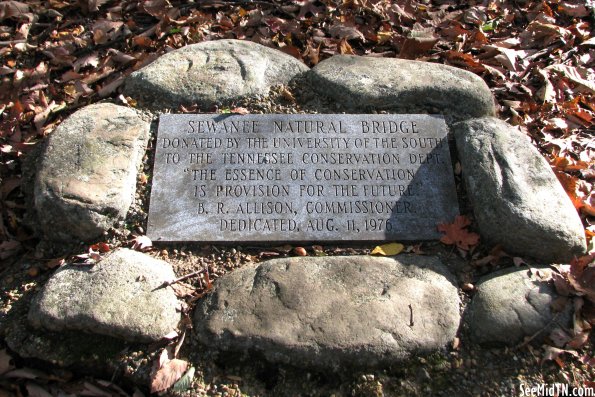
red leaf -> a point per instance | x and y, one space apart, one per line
142 41
292 50
574 10
587 360
101 247
457 234
464 60
582 276
570 184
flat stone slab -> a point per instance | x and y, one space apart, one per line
402 86
210 73
511 304
517 200
300 178
86 178
117 297
356 311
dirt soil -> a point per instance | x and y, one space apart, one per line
116 368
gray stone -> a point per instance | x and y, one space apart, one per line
517 200
511 304
89 352
211 72
87 176
356 311
402 86
117 297
301 178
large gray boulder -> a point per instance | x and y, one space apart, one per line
86 178
402 86
356 311
211 72
512 304
118 297
517 200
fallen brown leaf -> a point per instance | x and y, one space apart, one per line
578 341
9 248
553 354
36 390
346 32
141 243
53 263
559 337
345 48
240 110
416 46
12 9
168 374
6 363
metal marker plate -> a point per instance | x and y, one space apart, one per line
285 177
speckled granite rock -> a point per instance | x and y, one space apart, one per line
402 86
517 200
117 297
86 178
357 311
511 304
211 72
